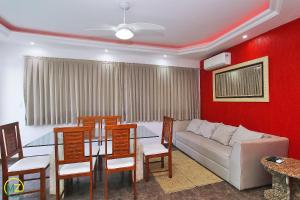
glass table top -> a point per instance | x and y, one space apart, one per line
48 139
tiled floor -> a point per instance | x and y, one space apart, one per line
121 189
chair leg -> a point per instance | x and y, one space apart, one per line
134 184
21 178
170 166
100 167
91 186
4 195
106 186
43 184
96 165
122 176
162 162
57 189
147 168
95 178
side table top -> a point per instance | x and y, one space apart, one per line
290 167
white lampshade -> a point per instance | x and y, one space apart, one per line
124 34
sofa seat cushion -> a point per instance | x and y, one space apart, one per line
207 147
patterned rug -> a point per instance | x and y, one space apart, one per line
187 174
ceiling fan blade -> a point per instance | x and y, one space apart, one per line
102 28
136 27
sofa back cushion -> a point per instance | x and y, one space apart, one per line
243 134
207 128
223 134
194 125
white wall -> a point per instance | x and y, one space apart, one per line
12 67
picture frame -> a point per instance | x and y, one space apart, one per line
244 82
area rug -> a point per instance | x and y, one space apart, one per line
187 174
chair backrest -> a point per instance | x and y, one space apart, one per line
121 141
167 131
109 121
73 145
10 141
90 121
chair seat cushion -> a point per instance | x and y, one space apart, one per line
37 162
120 163
76 168
153 149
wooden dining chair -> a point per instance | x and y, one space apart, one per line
74 162
90 121
122 158
160 150
95 123
109 121
11 145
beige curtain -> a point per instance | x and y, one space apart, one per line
152 92
57 90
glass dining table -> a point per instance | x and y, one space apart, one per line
47 140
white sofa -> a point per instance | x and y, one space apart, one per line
240 164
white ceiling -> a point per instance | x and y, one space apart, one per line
186 21
209 25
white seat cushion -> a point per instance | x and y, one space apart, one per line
37 162
102 148
76 168
95 149
120 163
153 149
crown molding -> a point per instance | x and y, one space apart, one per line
274 10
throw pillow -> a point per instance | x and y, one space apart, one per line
243 134
207 128
194 125
223 134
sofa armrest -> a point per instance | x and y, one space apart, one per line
180 125
246 170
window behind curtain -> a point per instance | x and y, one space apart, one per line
57 90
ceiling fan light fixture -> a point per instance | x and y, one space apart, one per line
124 34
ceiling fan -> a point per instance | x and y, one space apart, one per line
126 31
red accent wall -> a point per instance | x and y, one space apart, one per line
281 116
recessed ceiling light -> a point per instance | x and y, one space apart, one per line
105 50
245 36
165 56
32 43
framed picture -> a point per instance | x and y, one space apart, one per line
244 82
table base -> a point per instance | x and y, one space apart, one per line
283 188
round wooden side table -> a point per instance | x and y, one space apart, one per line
285 179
